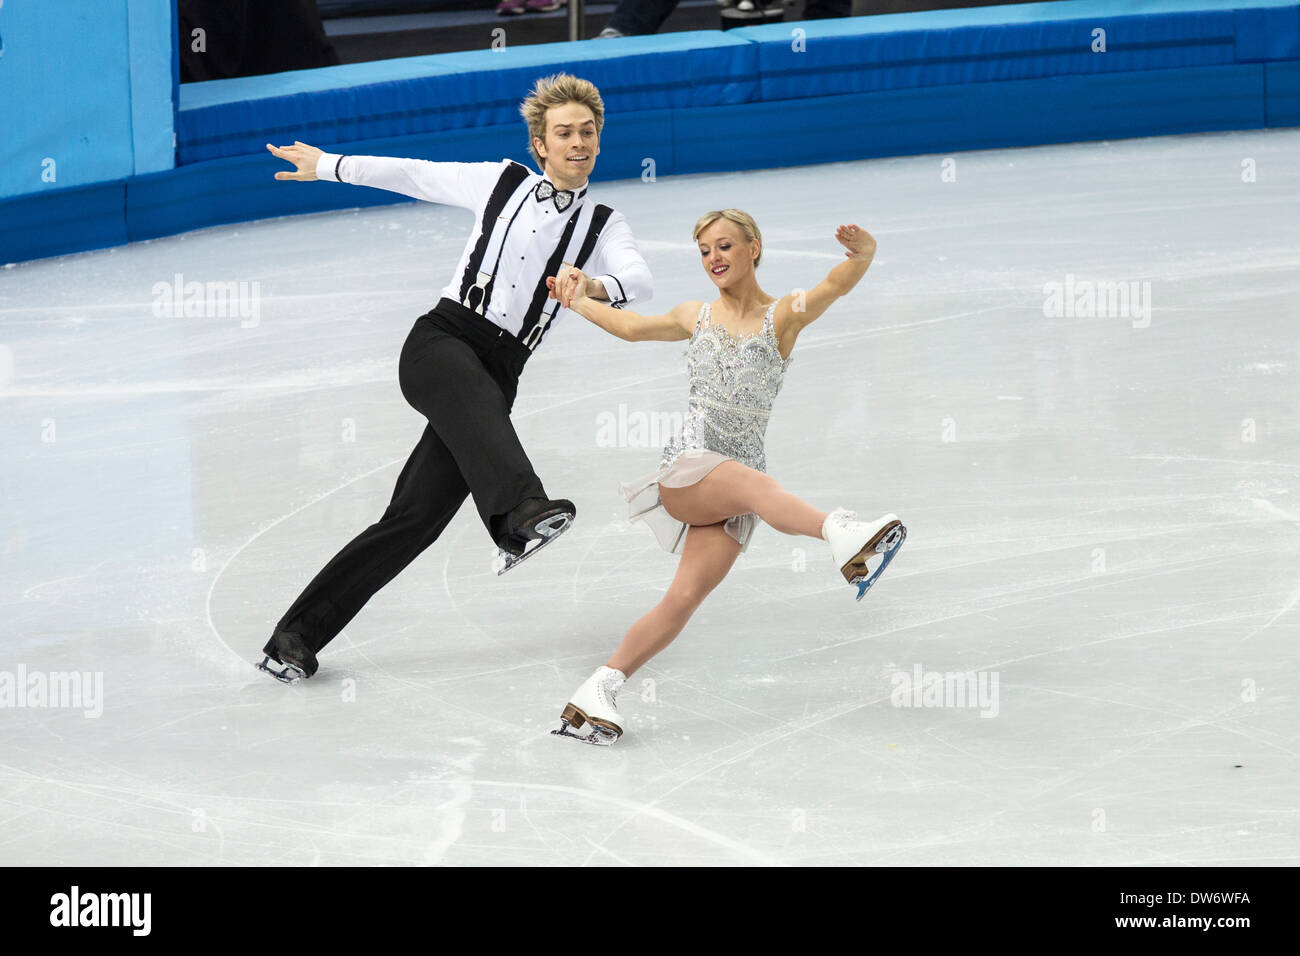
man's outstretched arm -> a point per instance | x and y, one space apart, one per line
452 184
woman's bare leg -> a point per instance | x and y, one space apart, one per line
734 489
707 556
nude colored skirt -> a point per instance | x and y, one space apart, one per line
689 467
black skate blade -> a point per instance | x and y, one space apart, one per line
599 736
549 528
289 675
888 547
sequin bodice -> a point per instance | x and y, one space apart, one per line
734 381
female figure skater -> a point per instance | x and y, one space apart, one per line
710 490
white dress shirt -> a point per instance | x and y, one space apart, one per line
535 229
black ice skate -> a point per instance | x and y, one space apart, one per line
295 659
537 519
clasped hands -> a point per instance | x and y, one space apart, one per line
572 283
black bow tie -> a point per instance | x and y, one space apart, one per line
561 197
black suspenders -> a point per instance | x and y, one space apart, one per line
476 282
598 221
540 313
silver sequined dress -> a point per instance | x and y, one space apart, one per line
734 381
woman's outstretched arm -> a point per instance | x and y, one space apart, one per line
577 294
800 309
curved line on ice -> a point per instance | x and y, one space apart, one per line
207 607
822 342
644 809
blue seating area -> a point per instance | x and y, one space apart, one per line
782 94
451 92
1017 42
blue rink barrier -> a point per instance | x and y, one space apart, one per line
782 94
449 92
1282 94
86 94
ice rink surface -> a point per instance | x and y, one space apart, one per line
1103 509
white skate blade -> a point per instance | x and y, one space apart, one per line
602 732
599 736
883 545
288 674
550 529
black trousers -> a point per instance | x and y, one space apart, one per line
460 371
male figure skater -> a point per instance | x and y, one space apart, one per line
461 362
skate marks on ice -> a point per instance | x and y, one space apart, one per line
635 809
828 342
394 463
245 658
1267 506
1118 689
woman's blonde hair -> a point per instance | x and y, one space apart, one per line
748 227
556 90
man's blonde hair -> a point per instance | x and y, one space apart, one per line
556 90
748 227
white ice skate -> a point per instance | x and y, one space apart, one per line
862 549
593 704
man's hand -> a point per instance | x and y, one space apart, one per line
572 284
302 156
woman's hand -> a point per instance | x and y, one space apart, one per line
302 156
857 242
568 285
